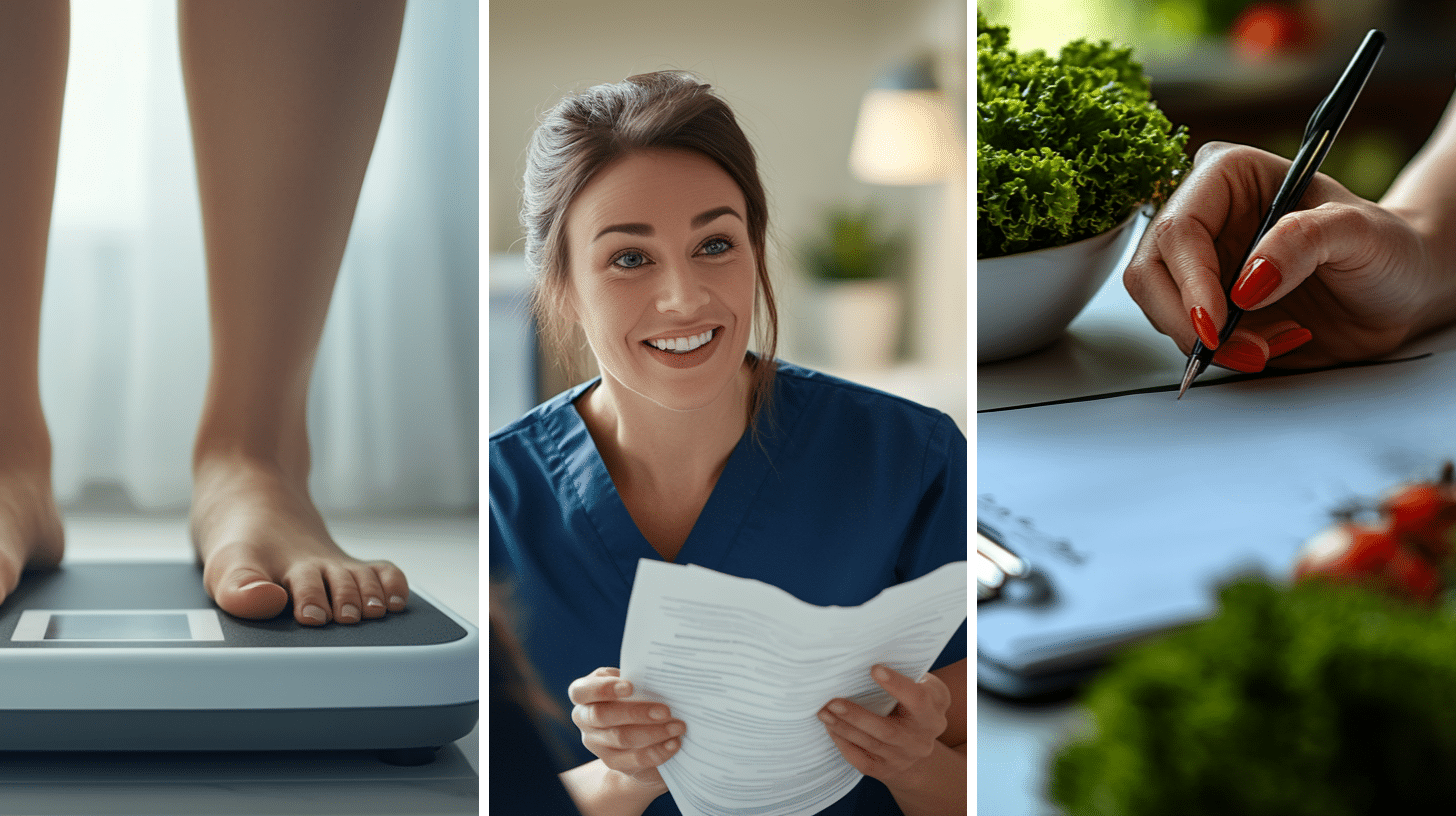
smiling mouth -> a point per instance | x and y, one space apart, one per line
682 345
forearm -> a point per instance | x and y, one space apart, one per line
1424 195
939 788
600 791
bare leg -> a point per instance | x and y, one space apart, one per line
285 99
34 42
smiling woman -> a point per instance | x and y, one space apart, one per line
645 222
657 248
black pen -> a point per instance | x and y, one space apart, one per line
1319 134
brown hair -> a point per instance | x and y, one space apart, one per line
666 110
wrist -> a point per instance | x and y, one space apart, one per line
934 786
600 791
1433 293
628 786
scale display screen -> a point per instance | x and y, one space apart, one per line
117 625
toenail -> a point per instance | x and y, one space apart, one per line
374 603
349 611
315 614
395 600
253 585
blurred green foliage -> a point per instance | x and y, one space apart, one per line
1315 699
854 246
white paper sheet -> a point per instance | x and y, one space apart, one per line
1135 507
747 667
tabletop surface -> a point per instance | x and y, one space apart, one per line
439 555
1110 347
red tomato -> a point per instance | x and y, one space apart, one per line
1347 550
1263 30
1412 576
1422 514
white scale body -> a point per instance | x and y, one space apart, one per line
136 657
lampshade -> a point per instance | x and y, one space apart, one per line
905 133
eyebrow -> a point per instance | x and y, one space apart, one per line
699 220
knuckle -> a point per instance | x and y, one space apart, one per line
1134 280
1229 153
617 739
1341 217
1212 150
602 740
1304 230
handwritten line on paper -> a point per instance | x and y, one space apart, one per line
748 666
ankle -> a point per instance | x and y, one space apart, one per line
26 446
229 453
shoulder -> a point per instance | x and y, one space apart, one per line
539 442
828 398
527 430
825 421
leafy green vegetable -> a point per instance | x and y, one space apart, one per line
1066 148
1315 699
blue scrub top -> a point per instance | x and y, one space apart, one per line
845 491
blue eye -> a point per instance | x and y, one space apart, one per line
630 259
717 246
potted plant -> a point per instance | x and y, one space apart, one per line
1068 150
855 264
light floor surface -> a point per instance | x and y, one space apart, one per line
438 554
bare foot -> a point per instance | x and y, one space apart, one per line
30 525
262 542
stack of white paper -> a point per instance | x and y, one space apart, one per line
747 667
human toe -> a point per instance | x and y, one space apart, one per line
395 586
371 591
344 593
246 592
310 595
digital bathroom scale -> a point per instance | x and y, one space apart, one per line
136 657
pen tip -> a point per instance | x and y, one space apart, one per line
1188 376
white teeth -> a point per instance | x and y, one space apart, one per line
680 345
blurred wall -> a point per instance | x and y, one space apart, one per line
794 73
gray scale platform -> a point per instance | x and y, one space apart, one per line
136 657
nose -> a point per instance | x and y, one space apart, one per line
680 290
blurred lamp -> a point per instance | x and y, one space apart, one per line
905 133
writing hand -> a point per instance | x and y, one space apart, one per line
630 737
893 747
1339 279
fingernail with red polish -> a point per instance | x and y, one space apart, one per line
1259 282
1241 355
1287 341
1203 324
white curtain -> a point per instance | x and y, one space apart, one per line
124 334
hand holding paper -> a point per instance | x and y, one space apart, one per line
892 747
632 738
748 668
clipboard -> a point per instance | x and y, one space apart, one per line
1127 511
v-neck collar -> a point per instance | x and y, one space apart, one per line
728 507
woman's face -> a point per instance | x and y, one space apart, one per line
662 276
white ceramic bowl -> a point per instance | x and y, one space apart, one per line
1024 302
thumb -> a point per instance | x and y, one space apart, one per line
1334 234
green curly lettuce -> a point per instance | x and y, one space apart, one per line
1066 148
1315 699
